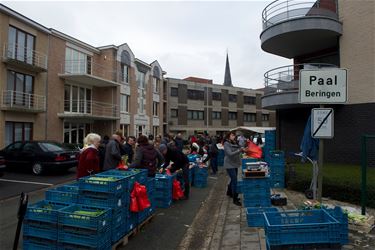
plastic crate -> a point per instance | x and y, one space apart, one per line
255 191
36 243
40 230
256 182
254 215
200 184
117 232
162 203
129 177
141 174
163 181
100 183
150 185
132 222
301 227
258 203
342 217
64 194
314 246
104 199
91 240
46 211
200 171
70 216
105 245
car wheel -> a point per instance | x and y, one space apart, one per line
37 168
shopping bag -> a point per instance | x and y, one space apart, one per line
253 150
134 207
143 201
177 191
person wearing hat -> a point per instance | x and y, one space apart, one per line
180 161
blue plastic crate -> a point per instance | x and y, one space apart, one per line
36 243
200 171
104 199
342 217
71 246
301 227
70 216
257 203
256 182
311 246
141 174
150 185
163 203
278 183
93 239
64 194
254 215
132 222
101 183
255 191
40 230
46 211
163 181
118 232
200 184
129 177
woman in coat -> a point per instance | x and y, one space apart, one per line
232 161
89 162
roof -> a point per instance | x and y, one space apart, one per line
198 80
253 130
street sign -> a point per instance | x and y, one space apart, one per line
323 86
322 123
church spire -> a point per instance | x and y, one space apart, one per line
227 76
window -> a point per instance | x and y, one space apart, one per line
216 96
249 117
216 115
155 84
195 115
155 109
232 115
77 99
141 80
249 100
174 91
124 103
141 107
18 131
265 117
195 94
77 62
174 112
19 89
20 45
125 129
155 130
232 98
124 73
74 132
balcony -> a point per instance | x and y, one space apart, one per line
22 102
91 110
24 58
282 85
292 28
89 73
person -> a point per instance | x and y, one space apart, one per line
232 162
241 140
180 161
89 162
179 142
147 157
259 140
157 141
213 152
112 153
128 148
151 139
101 149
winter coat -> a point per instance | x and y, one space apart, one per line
88 162
147 157
232 155
112 155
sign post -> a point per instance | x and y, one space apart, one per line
323 86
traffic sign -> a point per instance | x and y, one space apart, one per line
322 123
323 86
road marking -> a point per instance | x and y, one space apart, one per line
28 182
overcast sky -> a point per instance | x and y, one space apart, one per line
187 38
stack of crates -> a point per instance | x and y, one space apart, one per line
200 176
141 175
40 227
143 215
163 190
276 164
109 190
244 162
220 158
256 192
84 227
254 215
270 143
67 194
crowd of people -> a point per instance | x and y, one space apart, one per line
159 153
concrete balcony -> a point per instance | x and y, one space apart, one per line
89 110
89 73
282 85
292 28
22 102
24 58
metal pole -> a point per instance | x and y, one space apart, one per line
363 174
320 166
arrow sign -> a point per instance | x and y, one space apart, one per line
322 123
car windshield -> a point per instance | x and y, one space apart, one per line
50 146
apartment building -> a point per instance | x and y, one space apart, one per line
317 35
196 105
56 87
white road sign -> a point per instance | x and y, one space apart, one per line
323 86
322 123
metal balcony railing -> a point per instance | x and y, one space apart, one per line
286 78
283 10
25 55
22 100
91 108
87 67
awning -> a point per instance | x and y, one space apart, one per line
252 130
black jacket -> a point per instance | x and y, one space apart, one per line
178 158
128 150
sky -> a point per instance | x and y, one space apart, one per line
187 38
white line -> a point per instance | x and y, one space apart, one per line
28 182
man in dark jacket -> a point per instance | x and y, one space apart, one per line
213 152
112 153
128 148
179 142
180 161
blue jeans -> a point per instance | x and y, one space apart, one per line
232 172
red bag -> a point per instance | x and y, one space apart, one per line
177 191
133 199
143 201
253 150
121 166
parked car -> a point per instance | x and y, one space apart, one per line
2 166
39 156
